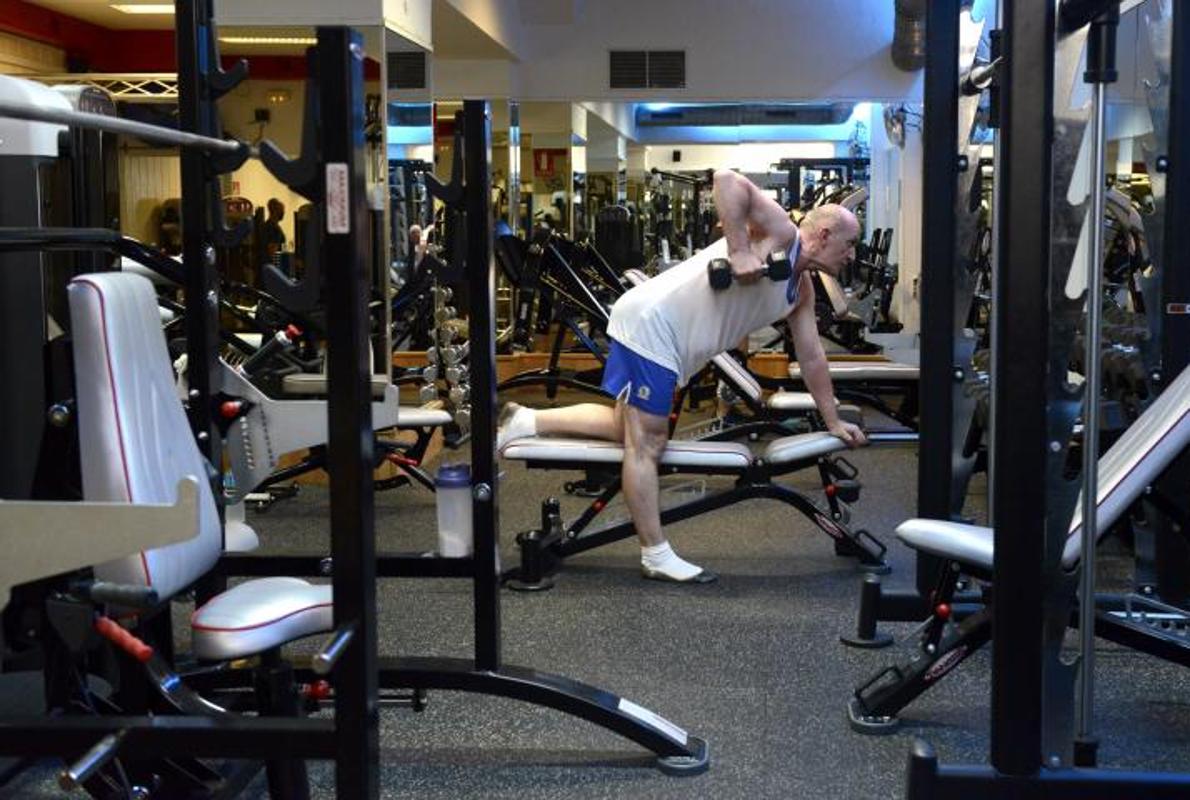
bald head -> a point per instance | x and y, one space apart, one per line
829 234
831 216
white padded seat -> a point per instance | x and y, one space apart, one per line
726 456
739 378
413 417
239 537
258 615
842 371
719 456
801 446
304 384
792 401
1136 459
134 445
969 544
134 439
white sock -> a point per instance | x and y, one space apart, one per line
519 422
662 558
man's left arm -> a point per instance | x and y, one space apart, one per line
815 369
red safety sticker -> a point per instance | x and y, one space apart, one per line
338 205
1177 308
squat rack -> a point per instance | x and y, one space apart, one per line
1031 691
351 738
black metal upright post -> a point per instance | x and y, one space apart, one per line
939 173
197 114
481 275
345 257
1022 320
1173 549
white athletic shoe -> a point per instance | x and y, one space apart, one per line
515 422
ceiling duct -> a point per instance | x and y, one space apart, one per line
736 114
909 35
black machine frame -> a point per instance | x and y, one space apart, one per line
351 739
1033 502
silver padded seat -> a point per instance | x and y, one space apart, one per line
844 371
135 444
725 457
1133 462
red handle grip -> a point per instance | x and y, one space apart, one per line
121 638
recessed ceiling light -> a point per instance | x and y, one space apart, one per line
269 39
144 8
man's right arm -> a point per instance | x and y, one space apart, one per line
740 206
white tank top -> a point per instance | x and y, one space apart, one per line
678 321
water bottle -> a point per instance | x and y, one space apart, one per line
453 484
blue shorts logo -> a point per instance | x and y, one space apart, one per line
642 392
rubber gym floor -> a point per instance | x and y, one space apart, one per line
752 663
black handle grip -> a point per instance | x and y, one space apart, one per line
278 342
122 594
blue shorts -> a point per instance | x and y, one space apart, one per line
634 379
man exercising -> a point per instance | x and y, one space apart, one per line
665 330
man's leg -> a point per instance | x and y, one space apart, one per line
645 438
590 420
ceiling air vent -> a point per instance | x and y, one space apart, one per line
667 69
407 70
647 69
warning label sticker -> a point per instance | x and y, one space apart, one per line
338 201
1177 308
656 720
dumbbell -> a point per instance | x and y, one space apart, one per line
777 268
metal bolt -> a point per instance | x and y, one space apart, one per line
193 394
482 492
931 649
203 436
1163 163
326 566
958 373
209 254
212 299
59 415
963 164
1054 762
1055 447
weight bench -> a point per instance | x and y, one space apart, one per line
135 445
782 412
867 383
1126 471
543 550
